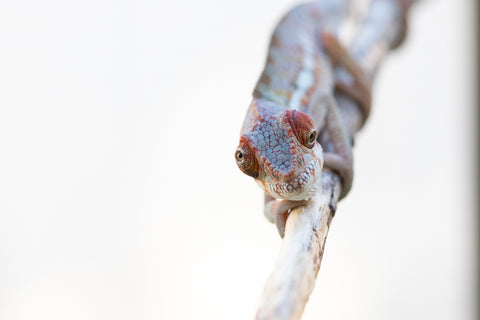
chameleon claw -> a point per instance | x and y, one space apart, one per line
281 222
280 210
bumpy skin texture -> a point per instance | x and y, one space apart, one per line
287 168
293 100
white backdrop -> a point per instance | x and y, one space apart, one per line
120 197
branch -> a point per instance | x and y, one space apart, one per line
294 274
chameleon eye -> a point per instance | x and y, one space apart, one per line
246 160
312 137
303 127
239 156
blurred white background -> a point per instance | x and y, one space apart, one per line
120 197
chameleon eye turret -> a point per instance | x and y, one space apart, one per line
246 160
311 138
303 127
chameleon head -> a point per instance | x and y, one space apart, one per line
278 148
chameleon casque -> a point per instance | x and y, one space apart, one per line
293 110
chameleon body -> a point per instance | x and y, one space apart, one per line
292 102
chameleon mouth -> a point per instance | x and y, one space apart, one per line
302 187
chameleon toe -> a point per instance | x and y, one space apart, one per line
281 210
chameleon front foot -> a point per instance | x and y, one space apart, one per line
277 211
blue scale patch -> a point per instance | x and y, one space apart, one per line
272 142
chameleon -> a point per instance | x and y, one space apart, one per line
293 109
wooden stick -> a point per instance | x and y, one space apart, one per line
293 277
294 274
